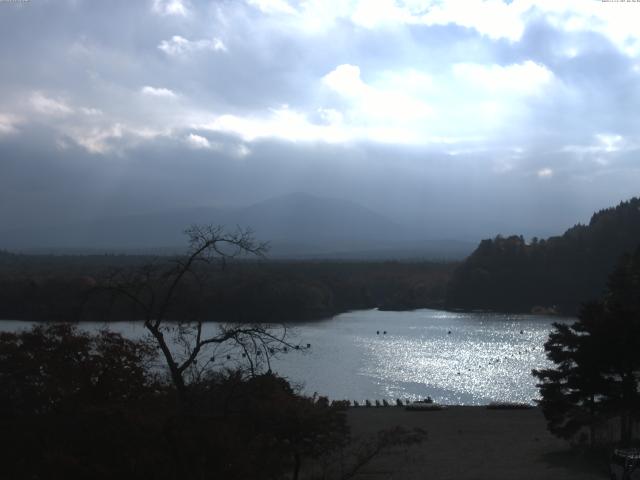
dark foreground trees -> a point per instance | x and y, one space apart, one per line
70 401
597 363
77 406
57 368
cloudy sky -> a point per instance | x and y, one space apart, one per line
512 116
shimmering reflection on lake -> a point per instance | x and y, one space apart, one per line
485 356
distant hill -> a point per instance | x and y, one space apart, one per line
318 223
297 225
509 274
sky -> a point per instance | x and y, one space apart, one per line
500 116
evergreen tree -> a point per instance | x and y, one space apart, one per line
571 392
597 366
621 342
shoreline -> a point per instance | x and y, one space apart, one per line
330 314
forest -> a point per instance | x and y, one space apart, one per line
554 275
69 288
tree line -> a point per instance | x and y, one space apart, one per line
70 288
557 274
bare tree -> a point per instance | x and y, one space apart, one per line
154 288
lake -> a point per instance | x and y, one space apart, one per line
456 358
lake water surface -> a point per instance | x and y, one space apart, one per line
456 358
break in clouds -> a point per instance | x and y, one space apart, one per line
513 116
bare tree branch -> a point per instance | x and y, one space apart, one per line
153 290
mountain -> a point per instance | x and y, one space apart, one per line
559 273
319 224
296 225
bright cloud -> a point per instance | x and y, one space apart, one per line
545 173
197 141
273 6
180 46
610 143
495 19
406 107
170 7
158 92
378 13
370 101
617 21
109 137
527 77
49 106
603 143
295 126
97 139
282 123
346 80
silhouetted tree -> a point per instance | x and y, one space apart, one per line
621 341
267 410
57 368
597 367
157 289
76 405
572 391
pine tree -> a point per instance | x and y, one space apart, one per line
597 366
572 391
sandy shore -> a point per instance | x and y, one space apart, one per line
471 443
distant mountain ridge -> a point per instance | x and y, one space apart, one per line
310 219
295 225
559 273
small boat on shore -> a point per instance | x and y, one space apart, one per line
424 406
